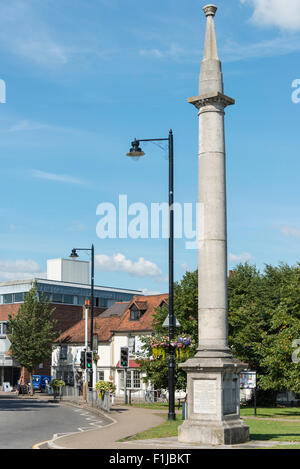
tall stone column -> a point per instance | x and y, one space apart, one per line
212 375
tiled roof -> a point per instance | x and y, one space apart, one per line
142 305
102 327
106 324
117 309
145 321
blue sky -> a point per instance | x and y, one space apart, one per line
83 78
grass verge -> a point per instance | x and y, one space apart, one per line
262 430
273 430
164 430
269 412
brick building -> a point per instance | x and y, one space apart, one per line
121 325
65 295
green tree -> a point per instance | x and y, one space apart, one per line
280 371
185 307
264 321
31 331
186 311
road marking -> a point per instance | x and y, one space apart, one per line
37 445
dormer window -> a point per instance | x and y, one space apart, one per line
134 313
163 304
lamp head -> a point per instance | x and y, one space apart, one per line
135 151
74 254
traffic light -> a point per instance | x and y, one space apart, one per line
82 360
124 357
89 360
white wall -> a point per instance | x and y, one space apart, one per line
68 270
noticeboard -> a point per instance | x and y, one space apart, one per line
248 380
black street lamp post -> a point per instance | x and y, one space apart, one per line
74 255
136 151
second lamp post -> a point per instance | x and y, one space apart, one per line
74 255
135 152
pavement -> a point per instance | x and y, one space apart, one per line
126 421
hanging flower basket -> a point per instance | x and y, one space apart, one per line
181 344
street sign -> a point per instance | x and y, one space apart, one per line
167 320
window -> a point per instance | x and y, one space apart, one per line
81 300
19 297
134 314
101 375
128 379
136 379
7 298
102 302
133 379
68 299
63 354
57 298
3 328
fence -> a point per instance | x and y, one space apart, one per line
74 394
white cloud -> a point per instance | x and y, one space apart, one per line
25 33
281 13
76 226
19 270
119 263
243 257
232 51
26 125
173 52
57 177
290 231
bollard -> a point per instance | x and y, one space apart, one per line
184 410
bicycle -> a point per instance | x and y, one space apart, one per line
149 396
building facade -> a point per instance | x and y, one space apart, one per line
122 325
67 298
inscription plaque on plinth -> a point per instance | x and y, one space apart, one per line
229 396
205 396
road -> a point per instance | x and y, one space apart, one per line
26 422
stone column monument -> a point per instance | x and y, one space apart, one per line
212 375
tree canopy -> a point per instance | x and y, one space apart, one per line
264 323
31 331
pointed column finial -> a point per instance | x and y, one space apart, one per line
211 69
210 10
